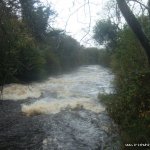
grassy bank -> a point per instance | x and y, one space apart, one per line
134 127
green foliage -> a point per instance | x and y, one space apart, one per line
35 16
96 56
29 51
9 34
68 51
20 58
52 62
129 57
31 61
104 58
65 48
105 33
130 105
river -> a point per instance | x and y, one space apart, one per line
61 113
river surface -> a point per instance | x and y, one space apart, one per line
61 113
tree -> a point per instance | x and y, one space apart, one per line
135 26
20 58
9 30
105 33
35 16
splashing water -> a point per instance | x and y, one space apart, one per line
74 90
20 92
56 106
67 116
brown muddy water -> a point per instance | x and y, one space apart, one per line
62 113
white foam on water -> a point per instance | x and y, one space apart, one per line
20 92
53 107
74 90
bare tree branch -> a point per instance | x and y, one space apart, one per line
141 4
89 28
74 13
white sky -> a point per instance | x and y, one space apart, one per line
77 17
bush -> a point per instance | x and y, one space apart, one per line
52 64
130 106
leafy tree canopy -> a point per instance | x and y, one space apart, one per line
105 33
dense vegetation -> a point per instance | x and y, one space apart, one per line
130 104
30 49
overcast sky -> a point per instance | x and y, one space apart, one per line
77 17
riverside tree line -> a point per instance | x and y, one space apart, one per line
30 49
129 45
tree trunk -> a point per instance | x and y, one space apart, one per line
135 26
149 8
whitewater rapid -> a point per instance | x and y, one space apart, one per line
77 89
61 113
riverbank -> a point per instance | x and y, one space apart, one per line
134 131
